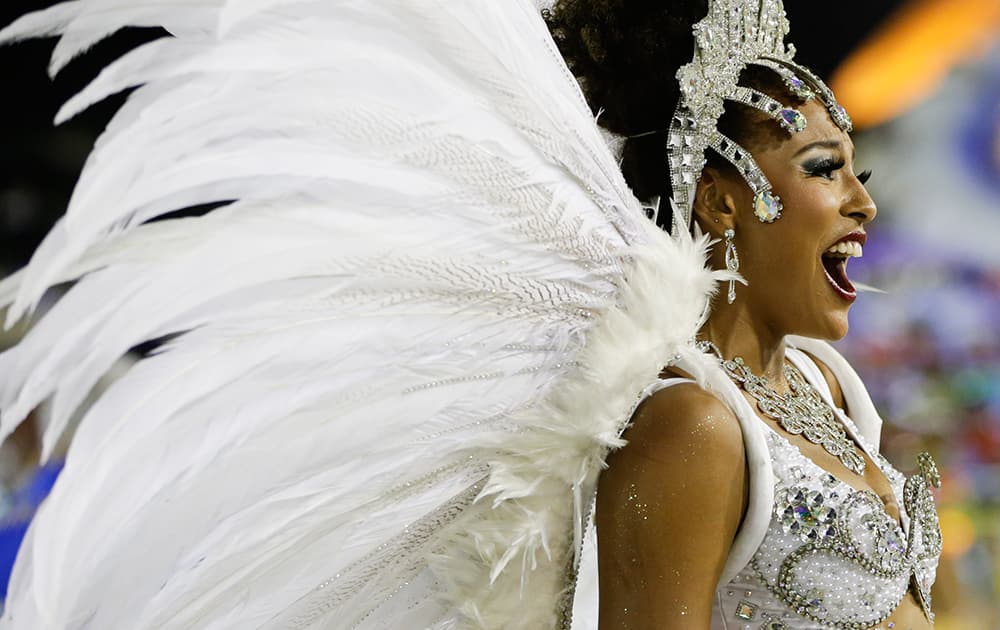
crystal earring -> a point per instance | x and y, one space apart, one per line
732 262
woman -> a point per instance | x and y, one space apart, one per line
397 361
686 445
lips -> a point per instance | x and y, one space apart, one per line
835 259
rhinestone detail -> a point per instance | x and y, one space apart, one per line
745 610
846 564
802 411
767 206
793 119
732 35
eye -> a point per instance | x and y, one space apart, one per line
823 167
864 176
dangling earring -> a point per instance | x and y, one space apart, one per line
732 263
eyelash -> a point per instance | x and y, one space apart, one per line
824 168
827 167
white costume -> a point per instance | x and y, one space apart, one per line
843 561
831 556
394 360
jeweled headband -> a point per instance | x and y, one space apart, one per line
735 34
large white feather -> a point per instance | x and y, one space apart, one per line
397 357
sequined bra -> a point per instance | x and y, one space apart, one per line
813 553
831 556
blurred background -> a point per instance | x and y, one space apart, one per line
922 81
923 85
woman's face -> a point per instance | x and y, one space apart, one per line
797 283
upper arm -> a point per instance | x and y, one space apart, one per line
668 509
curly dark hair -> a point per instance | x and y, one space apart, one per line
626 54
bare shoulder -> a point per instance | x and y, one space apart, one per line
681 477
669 418
683 439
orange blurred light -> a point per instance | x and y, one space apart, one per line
906 59
958 532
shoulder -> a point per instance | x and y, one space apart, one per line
677 412
681 476
677 426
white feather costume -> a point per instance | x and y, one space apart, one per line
397 357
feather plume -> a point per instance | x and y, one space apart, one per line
399 351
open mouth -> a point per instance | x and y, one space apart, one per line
835 265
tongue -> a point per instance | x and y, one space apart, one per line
836 267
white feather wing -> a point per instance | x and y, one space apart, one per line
397 356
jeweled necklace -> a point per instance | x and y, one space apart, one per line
802 411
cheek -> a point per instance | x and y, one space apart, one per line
812 203
791 263
808 221
785 257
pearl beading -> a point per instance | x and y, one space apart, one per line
832 556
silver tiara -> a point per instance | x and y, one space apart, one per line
735 34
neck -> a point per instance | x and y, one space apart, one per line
734 331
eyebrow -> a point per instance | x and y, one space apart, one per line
826 144
819 144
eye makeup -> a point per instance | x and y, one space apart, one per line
822 166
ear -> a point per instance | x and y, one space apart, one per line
714 204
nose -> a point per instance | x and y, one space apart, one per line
859 205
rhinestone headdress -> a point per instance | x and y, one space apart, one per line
735 34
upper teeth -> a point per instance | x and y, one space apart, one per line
851 249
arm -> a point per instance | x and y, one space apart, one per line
668 509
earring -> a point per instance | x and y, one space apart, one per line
732 262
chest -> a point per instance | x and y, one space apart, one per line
832 555
821 434
879 478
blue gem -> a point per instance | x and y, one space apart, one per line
794 119
804 515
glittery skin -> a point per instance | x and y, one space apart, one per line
633 502
639 506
